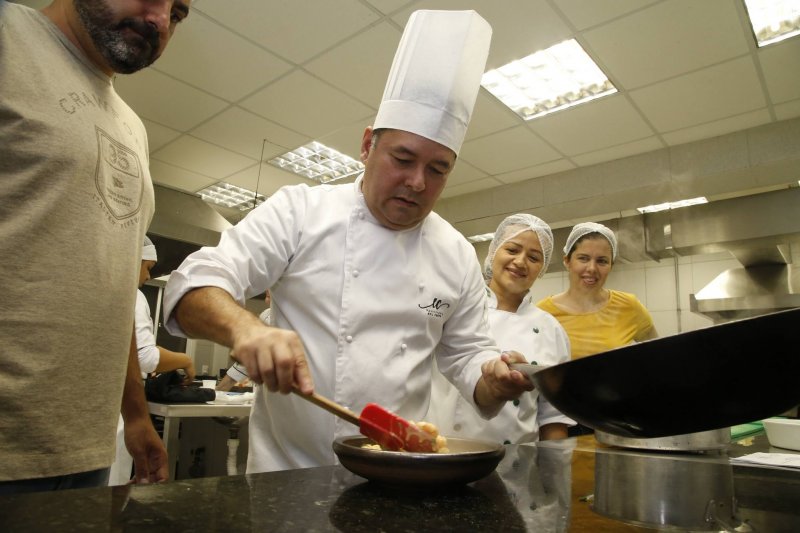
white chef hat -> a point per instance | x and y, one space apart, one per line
436 75
149 250
585 228
512 226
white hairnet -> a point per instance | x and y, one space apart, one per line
149 250
512 226
585 228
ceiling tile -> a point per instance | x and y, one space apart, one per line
585 14
615 152
788 110
388 6
718 127
158 135
204 54
668 39
553 167
306 104
472 186
270 180
165 100
584 128
714 93
347 139
464 173
178 178
365 78
201 157
508 150
781 66
490 116
243 132
293 29
520 27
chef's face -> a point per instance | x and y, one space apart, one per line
517 263
589 263
144 272
129 35
404 176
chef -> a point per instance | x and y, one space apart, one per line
367 283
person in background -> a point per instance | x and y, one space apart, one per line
367 283
595 318
152 358
518 254
75 201
237 373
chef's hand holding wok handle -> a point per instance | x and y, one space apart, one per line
499 382
272 356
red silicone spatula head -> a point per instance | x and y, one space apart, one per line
393 432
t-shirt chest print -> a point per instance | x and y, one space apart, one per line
118 177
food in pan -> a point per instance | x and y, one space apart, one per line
427 427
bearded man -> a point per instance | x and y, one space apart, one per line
76 199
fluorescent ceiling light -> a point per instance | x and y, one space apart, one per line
549 80
672 205
231 196
773 20
481 238
317 162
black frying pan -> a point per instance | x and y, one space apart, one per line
706 379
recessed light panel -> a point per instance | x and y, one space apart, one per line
317 162
231 196
672 205
774 20
548 80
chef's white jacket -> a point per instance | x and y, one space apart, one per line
538 336
370 304
148 353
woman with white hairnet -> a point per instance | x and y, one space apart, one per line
518 254
597 319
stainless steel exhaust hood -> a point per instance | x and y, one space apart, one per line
182 223
758 230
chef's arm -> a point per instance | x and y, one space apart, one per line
169 360
499 383
141 439
272 356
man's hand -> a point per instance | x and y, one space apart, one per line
272 356
148 451
499 383
275 357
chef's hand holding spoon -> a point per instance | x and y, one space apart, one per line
272 356
499 383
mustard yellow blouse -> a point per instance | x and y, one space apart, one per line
619 322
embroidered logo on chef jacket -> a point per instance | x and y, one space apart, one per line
433 308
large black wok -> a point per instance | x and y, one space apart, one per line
711 378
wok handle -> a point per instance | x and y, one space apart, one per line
330 406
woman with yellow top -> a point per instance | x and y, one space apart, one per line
596 319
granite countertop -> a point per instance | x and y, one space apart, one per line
571 485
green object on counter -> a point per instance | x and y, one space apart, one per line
745 430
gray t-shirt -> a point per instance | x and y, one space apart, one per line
75 201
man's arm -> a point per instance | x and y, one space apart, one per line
169 360
272 356
146 448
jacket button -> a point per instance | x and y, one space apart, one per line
349 338
516 403
355 273
403 347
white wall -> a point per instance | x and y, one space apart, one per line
656 285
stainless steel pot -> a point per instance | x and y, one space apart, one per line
666 491
715 439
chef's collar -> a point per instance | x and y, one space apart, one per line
492 299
